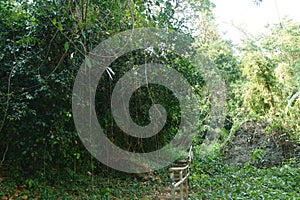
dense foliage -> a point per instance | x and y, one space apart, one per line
213 180
44 43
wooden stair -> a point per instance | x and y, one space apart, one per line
179 173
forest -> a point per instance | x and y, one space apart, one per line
243 124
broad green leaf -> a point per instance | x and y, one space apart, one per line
60 27
66 46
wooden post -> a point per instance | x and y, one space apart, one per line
187 186
172 185
181 185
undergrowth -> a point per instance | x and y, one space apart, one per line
212 179
63 185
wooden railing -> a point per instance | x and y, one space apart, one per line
179 177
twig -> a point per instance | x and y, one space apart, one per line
4 154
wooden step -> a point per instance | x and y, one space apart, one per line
186 161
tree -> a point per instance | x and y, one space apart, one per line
44 44
271 68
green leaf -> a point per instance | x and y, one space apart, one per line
60 27
83 34
54 21
66 46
